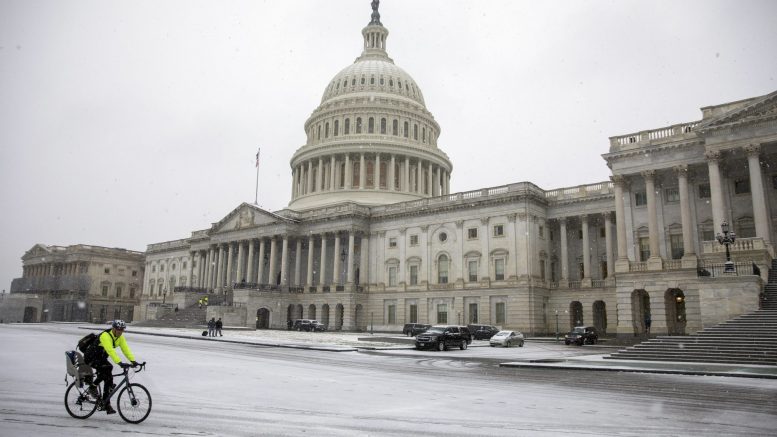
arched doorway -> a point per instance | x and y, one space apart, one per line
640 311
339 314
600 317
575 314
262 318
325 315
290 316
298 313
311 311
30 315
358 316
674 302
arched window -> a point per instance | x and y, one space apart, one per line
362 82
415 132
371 126
395 128
326 130
356 172
399 82
406 130
337 86
383 174
372 80
396 176
383 126
347 126
370 183
442 269
423 133
381 80
342 175
358 125
337 128
391 83
319 132
353 82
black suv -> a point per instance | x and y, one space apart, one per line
441 338
581 335
413 329
308 325
482 332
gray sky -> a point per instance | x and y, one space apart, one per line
129 123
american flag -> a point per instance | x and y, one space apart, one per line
257 157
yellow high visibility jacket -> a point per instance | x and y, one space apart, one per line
107 341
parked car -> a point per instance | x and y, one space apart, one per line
317 326
506 339
304 325
466 333
413 329
441 338
581 335
482 332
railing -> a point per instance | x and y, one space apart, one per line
553 284
574 284
673 264
448 286
581 191
312 289
624 141
325 289
240 285
740 245
339 288
190 290
741 268
360 289
598 283
296 289
637 266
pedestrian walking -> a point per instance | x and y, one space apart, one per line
212 327
648 322
219 325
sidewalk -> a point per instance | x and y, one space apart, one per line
538 353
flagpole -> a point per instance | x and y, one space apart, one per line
256 195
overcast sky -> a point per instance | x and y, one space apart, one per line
129 123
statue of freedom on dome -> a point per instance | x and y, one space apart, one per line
375 13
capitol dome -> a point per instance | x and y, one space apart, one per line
371 140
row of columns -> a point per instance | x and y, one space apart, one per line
224 264
324 174
586 250
49 269
760 215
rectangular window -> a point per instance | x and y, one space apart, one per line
541 231
499 313
105 291
118 292
413 275
499 230
704 191
581 270
392 276
640 198
107 271
542 269
707 235
414 240
134 273
472 233
442 313
392 314
741 186
392 242
579 234
473 313
472 267
676 242
132 293
604 269
184 265
499 269
117 313
413 314
644 248
551 235
602 232
151 289
672 194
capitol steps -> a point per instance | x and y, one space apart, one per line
194 316
748 339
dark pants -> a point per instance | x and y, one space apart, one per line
104 371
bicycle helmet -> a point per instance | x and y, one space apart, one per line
119 324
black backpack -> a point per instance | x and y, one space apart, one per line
90 346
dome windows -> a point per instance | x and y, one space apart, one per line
353 82
415 132
337 128
406 130
395 127
362 80
391 83
423 134
371 126
372 80
383 126
358 125
381 80
326 130
347 126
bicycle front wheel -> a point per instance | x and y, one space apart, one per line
78 403
134 403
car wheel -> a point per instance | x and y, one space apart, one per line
594 340
463 345
492 345
520 344
566 342
441 346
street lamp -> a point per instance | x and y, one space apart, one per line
727 239
556 325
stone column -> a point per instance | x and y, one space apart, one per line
392 175
608 242
419 178
429 178
362 172
297 262
229 277
294 183
284 261
273 254
322 261
622 263
406 176
377 172
209 268
436 182
349 267
320 175
191 268
337 263
586 279
654 262
716 190
219 269
260 275
760 216
332 173
364 260
562 222
485 271
309 181
689 254
240 274
309 276
447 183
348 172
250 263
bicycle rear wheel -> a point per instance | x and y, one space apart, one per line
78 403
134 403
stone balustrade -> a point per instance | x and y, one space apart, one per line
638 139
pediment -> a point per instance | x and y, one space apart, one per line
247 216
36 251
761 108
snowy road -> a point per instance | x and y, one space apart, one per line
217 389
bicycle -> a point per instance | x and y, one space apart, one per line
133 401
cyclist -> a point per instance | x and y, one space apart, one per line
109 341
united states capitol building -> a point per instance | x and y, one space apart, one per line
373 237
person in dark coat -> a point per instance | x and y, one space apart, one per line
648 322
219 325
212 327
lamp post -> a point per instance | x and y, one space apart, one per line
556 325
727 239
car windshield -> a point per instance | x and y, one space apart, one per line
578 330
502 334
436 329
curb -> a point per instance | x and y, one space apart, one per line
566 365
